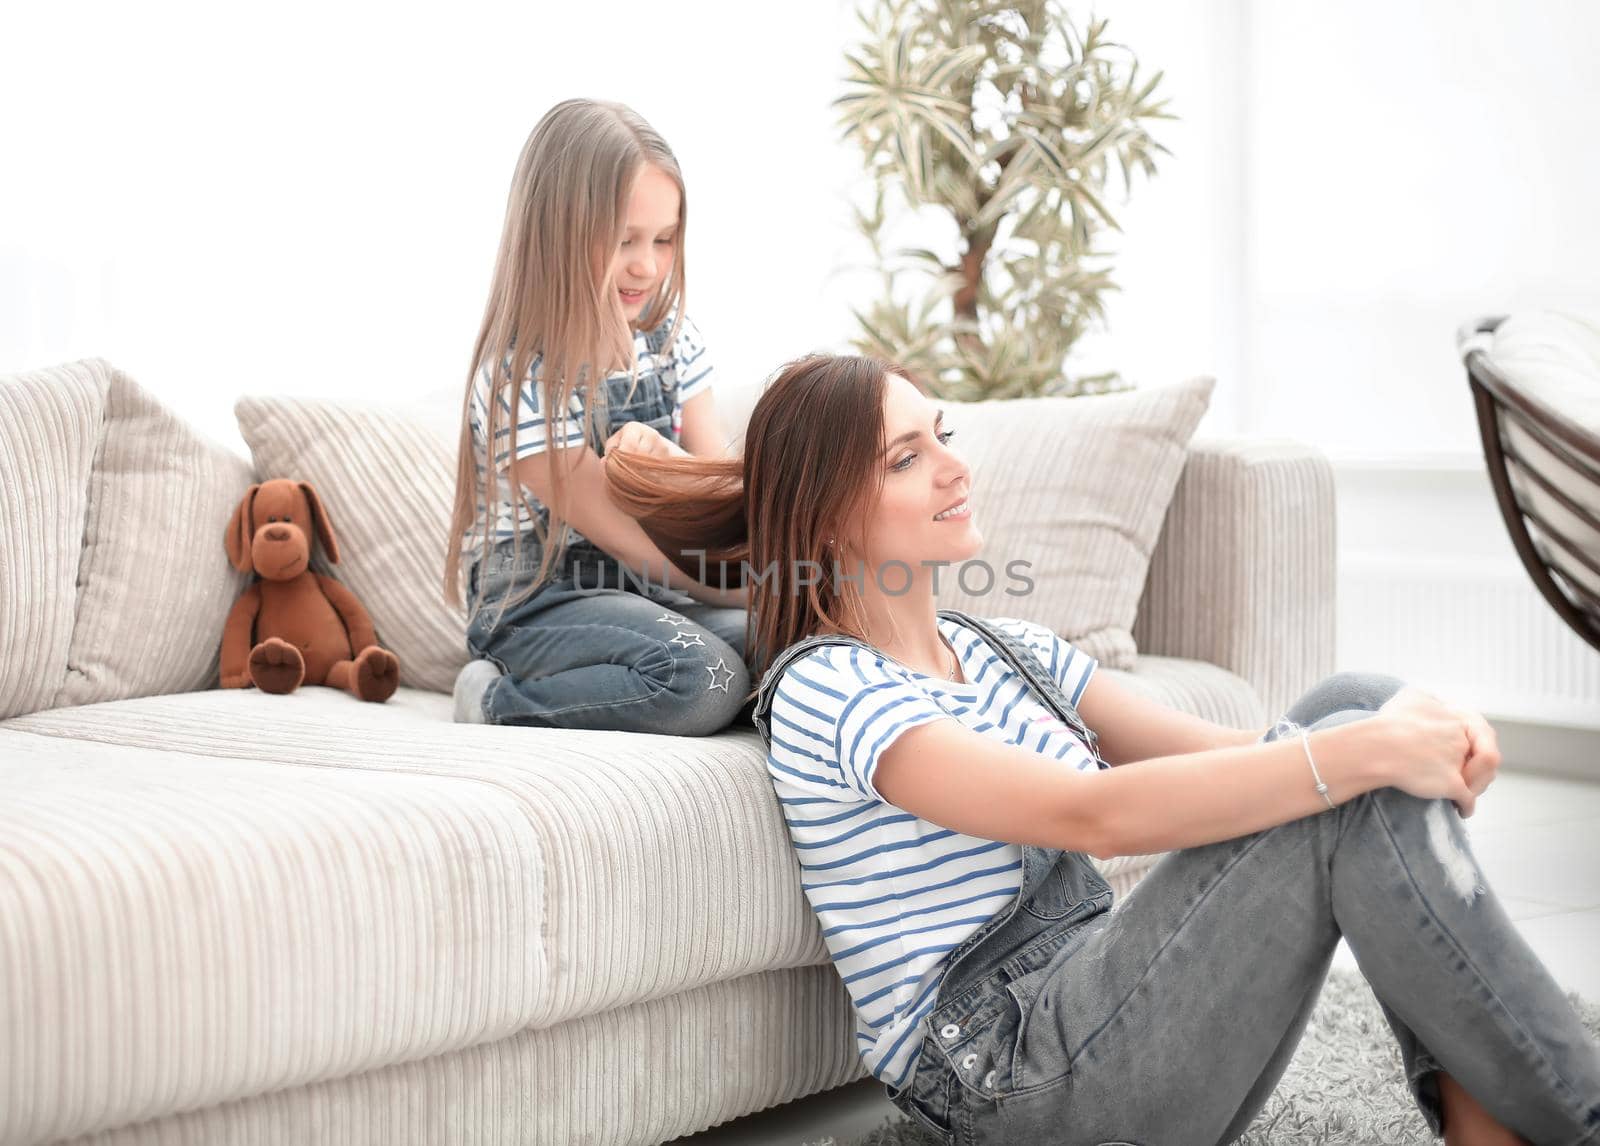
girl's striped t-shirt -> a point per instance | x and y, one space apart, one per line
894 893
683 369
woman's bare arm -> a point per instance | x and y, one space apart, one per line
950 775
1133 727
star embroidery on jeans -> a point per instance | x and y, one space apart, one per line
673 619
721 665
684 640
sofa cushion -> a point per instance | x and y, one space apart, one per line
1197 687
386 476
113 581
49 420
184 928
1077 488
154 582
270 890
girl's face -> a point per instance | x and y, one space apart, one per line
649 240
922 478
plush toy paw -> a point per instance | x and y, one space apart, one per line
376 675
277 666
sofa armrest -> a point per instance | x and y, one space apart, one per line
1243 574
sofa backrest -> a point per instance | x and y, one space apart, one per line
114 582
1075 487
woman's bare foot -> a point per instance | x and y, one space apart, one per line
1468 1124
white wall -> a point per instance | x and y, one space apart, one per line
310 200
1350 184
308 197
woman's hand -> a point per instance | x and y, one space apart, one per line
641 439
1437 750
1483 761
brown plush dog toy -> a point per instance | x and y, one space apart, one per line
293 626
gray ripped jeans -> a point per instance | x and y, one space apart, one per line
1171 1019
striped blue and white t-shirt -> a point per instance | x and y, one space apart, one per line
894 893
684 367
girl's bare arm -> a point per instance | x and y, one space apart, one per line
592 512
702 432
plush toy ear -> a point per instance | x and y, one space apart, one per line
241 532
330 543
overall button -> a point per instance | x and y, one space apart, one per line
950 1031
988 1081
969 1062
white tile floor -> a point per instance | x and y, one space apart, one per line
1537 839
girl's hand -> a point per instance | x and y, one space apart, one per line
1431 744
641 439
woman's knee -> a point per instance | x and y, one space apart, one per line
1343 692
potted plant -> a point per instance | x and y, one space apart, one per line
998 123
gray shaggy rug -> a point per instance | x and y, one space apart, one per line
1343 1086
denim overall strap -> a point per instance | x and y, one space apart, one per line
1060 889
1023 661
1039 864
761 716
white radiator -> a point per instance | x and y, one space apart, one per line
1476 633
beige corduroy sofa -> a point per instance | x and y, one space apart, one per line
228 917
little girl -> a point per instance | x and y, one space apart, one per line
587 625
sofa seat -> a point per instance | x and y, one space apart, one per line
356 886
217 894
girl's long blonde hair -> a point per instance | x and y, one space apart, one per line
552 297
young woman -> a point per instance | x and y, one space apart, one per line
941 810
577 620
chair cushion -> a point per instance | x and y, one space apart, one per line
1555 358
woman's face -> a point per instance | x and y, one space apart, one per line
922 478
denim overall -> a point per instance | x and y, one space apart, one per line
652 405
1060 890
596 646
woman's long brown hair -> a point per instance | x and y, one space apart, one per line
811 470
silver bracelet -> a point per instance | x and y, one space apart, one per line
1305 741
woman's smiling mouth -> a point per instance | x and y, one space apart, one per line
960 511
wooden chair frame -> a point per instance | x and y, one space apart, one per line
1501 402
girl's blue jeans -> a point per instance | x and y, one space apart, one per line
596 648
1171 1019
